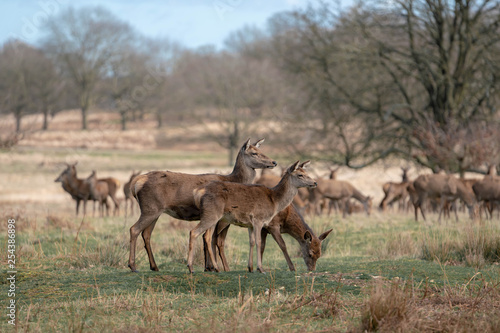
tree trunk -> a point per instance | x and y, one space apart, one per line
234 138
123 115
45 125
84 117
159 119
18 116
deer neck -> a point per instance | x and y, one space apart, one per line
283 193
241 173
358 196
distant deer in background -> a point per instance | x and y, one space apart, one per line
80 190
445 188
159 192
128 194
99 190
341 191
77 188
396 192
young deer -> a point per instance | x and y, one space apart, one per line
128 194
99 190
168 192
250 206
288 221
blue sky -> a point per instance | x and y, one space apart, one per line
192 23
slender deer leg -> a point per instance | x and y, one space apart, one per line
146 236
220 240
281 243
256 231
139 226
207 221
251 238
208 237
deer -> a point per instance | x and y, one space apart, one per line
159 192
288 221
99 190
488 191
77 188
396 191
445 188
80 190
271 180
128 194
339 190
251 206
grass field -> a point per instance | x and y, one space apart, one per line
384 272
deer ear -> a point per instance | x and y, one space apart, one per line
258 143
308 236
293 167
246 145
305 164
324 235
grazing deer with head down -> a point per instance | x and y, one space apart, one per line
250 206
444 188
288 221
128 194
159 192
488 191
339 190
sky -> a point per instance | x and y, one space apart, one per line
192 23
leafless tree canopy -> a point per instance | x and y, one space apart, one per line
417 79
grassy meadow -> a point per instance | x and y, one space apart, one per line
383 272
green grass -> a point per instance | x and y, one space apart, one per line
72 276
384 272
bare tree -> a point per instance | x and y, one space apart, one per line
83 42
378 76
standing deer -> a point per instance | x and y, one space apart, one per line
396 192
250 206
488 191
77 188
288 221
128 194
99 190
339 190
168 192
444 188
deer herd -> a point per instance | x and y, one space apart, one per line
269 205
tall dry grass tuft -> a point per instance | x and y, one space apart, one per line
471 245
387 306
408 307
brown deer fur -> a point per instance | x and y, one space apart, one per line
339 190
250 206
288 221
159 192
128 193
444 188
99 190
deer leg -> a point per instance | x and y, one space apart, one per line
281 243
208 238
251 238
142 223
77 206
257 229
221 239
117 205
146 236
208 220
